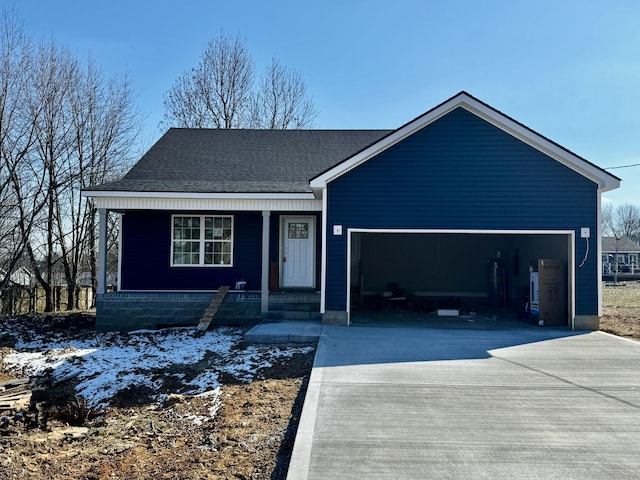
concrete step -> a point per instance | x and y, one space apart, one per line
293 315
284 331
294 306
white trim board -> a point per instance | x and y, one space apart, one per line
598 242
192 195
323 254
119 252
208 204
571 262
460 230
604 180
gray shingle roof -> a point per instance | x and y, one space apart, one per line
240 161
625 244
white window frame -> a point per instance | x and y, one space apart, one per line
202 241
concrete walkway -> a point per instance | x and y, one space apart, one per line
516 403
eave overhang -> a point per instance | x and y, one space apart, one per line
131 200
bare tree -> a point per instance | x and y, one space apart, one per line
281 101
106 125
53 79
63 126
20 198
622 221
222 92
619 222
628 218
216 93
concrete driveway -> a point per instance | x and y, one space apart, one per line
423 403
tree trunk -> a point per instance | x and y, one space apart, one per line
71 297
46 286
49 304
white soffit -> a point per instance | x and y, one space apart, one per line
237 203
604 180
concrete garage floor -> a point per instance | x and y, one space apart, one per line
496 318
417 403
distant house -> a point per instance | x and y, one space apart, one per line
85 280
24 294
333 215
16 297
621 253
21 276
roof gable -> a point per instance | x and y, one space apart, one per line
21 276
603 179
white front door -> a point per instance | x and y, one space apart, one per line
298 252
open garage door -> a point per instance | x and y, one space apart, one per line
485 273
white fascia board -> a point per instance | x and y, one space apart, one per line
604 180
174 195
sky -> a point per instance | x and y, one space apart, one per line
570 70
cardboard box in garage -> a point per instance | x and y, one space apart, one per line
548 294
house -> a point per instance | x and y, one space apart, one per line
21 277
23 294
340 216
15 297
621 253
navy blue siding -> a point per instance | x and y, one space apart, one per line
461 172
146 254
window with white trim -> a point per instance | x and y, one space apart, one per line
202 240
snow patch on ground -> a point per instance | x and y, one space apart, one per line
163 361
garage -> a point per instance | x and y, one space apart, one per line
418 214
454 272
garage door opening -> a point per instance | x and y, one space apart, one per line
419 275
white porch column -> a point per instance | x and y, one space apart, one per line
102 251
264 296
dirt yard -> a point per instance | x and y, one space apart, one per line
166 406
621 305
237 422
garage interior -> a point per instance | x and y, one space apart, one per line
448 276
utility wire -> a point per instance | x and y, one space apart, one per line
624 166
586 253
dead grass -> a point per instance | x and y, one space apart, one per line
622 295
621 309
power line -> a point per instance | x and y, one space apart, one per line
624 166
